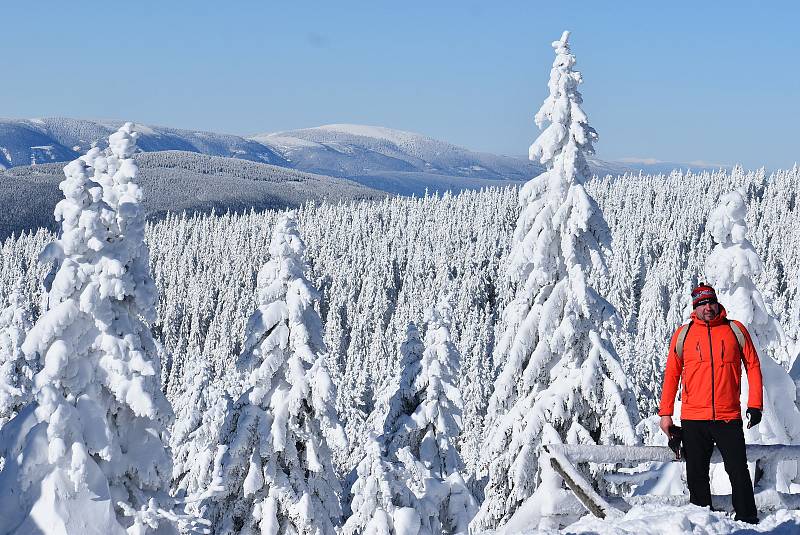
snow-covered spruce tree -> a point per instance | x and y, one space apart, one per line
436 423
648 356
381 501
402 401
382 504
91 446
16 368
426 425
201 405
437 419
200 412
794 370
731 268
276 473
475 391
559 371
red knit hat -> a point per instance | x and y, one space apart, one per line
703 294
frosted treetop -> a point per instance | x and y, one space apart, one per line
568 134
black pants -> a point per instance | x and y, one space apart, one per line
699 437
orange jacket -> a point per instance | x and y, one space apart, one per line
711 372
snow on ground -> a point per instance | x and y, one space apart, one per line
671 520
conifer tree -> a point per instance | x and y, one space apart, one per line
94 438
382 504
403 398
647 348
434 425
794 370
276 473
731 268
200 413
424 424
560 372
16 369
475 392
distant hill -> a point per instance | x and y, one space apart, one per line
382 158
405 162
25 142
176 181
647 167
386 158
57 139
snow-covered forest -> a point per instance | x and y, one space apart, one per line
366 367
380 265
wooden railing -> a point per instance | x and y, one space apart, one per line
561 458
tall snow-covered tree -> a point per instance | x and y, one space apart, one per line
560 372
402 401
423 425
200 412
92 444
477 381
382 504
16 368
434 427
794 370
382 501
731 269
436 421
276 473
647 355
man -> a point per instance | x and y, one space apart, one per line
710 369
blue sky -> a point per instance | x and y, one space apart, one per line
695 81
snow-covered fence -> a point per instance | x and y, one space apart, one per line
561 459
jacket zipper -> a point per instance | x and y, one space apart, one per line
711 352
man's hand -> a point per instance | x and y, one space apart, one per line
753 418
666 422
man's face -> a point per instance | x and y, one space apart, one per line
707 311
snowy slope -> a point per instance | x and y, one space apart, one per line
406 162
23 141
358 150
383 158
176 181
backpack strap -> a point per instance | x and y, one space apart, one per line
739 334
682 332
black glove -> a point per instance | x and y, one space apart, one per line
753 417
675 437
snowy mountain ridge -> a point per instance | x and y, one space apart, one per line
391 159
174 181
58 139
379 157
398 137
396 143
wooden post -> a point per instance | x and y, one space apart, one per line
589 498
